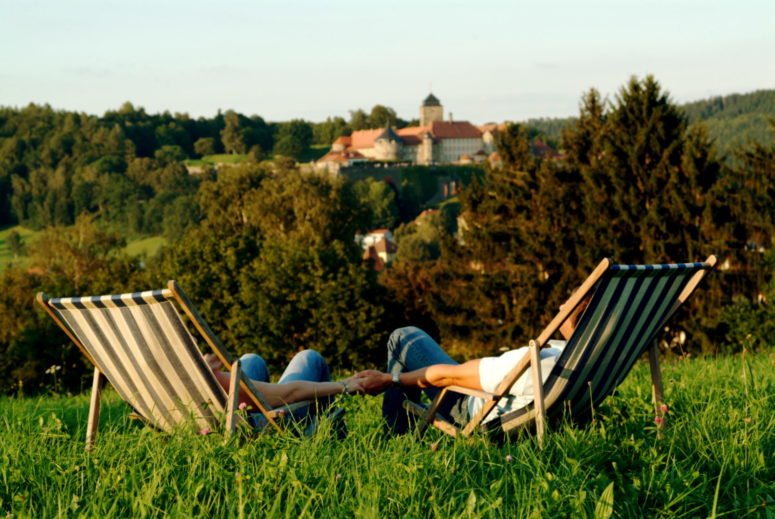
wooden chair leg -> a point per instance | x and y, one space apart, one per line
233 399
430 414
657 391
98 384
538 391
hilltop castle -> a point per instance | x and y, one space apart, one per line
434 141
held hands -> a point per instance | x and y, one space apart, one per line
372 382
368 382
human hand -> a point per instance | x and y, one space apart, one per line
354 386
372 382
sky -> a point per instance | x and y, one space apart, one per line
487 61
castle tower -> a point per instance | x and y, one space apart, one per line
431 110
386 145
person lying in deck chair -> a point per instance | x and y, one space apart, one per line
307 377
416 362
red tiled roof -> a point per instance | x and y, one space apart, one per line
543 150
413 130
413 135
364 138
344 140
340 156
455 130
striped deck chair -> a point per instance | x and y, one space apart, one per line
629 306
140 344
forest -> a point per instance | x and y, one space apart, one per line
266 249
731 121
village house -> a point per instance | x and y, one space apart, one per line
378 246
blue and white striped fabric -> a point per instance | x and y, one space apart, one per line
139 342
629 306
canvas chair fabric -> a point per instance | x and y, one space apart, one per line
139 342
629 306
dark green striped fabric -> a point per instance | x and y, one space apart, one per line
629 306
139 342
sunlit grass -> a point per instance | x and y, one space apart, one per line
718 446
6 256
224 158
145 246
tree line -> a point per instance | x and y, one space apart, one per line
54 165
270 259
639 185
732 121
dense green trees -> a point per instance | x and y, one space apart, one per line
293 138
333 127
330 130
268 255
380 199
638 185
56 165
732 121
276 268
79 259
234 135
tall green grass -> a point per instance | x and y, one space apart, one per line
714 460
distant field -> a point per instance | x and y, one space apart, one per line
145 246
716 459
6 257
142 246
212 160
224 158
312 154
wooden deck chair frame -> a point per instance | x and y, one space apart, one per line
175 294
537 414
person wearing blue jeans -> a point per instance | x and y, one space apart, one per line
416 363
411 349
307 377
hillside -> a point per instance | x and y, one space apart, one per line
735 120
732 120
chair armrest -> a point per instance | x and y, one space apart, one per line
287 409
484 395
421 411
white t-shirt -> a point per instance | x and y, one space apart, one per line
492 370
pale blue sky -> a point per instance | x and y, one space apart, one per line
486 61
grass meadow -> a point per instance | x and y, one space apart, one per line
7 257
715 459
139 246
